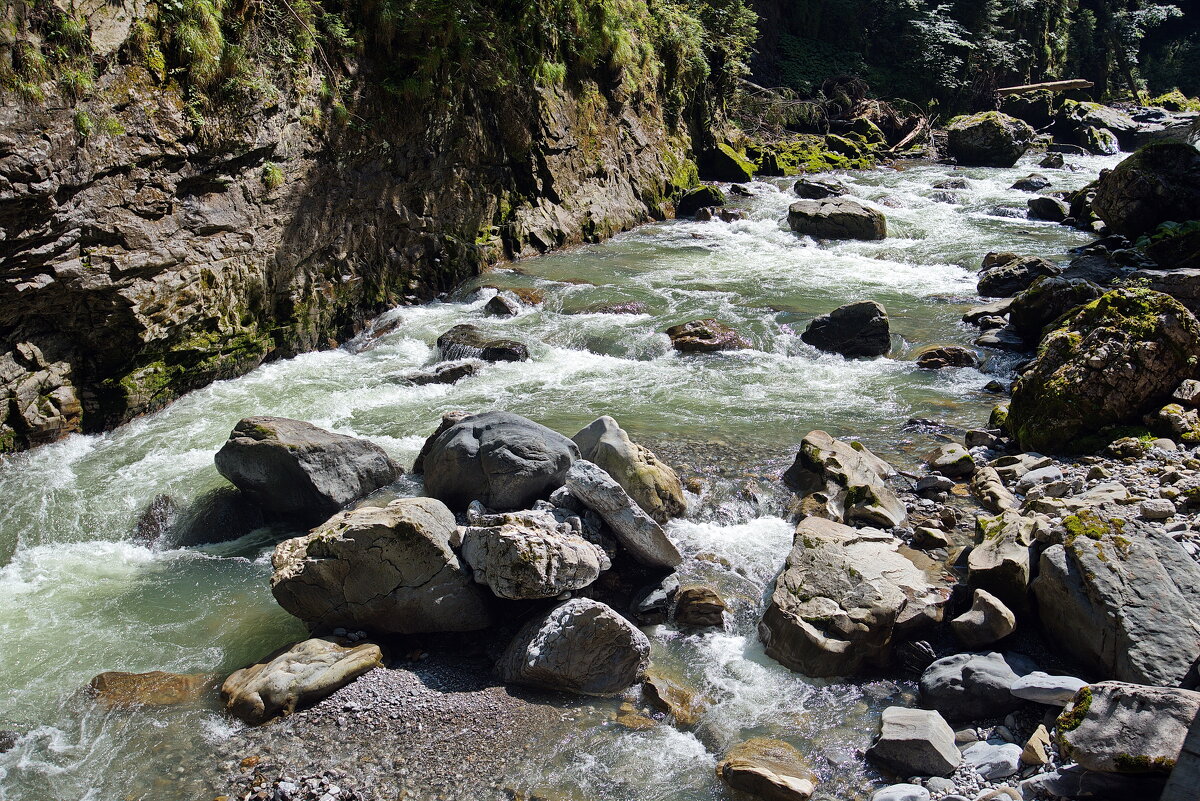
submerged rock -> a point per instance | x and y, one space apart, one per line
841 595
294 469
468 341
648 480
854 330
500 459
836 218
299 675
989 139
383 569
581 646
771 770
156 688
1127 728
705 336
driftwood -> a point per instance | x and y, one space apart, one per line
1053 86
921 126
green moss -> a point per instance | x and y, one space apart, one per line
83 124
1085 524
1139 763
1072 718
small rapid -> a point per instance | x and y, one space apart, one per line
80 595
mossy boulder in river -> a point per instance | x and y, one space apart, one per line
1159 183
1109 362
990 139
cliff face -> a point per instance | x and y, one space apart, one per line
144 253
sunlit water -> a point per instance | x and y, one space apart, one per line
78 596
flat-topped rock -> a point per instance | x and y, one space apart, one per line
836 218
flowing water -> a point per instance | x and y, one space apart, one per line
79 595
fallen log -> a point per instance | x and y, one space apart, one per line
1053 86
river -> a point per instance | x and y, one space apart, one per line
79 596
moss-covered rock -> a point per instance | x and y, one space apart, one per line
1109 363
724 163
1126 728
1157 184
989 139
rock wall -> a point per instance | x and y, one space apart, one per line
147 249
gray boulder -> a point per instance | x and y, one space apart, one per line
1073 781
1007 278
1050 209
901 792
841 595
531 555
648 480
1127 728
989 139
952 461
581 646
298 675
987 621
993 761
819 188
1123 598
836 218
849 478
1042 688
635 530
1157 184
502 460
855 330
1001 562
384 569
294 469
915 742
1181 283
973 686
940 357
468 341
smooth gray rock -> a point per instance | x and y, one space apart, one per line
384 569
915 742
952 461
581 646
854 330
841 595
500 459
531 555
1045 689
836 218
292 468
987 621
901 792
648 480
1124 602
973 686
993 761
850 477
635 530
1118 727
1001 562
1042 475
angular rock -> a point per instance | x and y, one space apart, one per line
581 646
468 341
771 770
993 761
531 555
503 304
444 373
672 698
1076 119
705 336
989 139
1188 393
385 569
701 197
941 356
1122 598
836 218
915 742
996 308
1117 727
156 688
951 460
1037 748
841 595
987 621
1157 184
699 605
1181 283
637 532
1001 562
1106 364
1046 300
649 481
854 330
851 477
298 675
1010 277
819 189
724 163
502 460
294 469
1042 688
973 686
987 487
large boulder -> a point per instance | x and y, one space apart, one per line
849 478
580 646
915 742
771 770
384 569
1123 598
705 336
836 218
531 555
989 139
819 188
1006 278
1109 362
1047 299
1157 184
1002 560
637 532
701 197
1077 120
853 330
973 686
649 481
294 469
842 594
300 674
1127 728
1181 283
468 341
1035 107
500 459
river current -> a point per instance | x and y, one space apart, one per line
79 595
